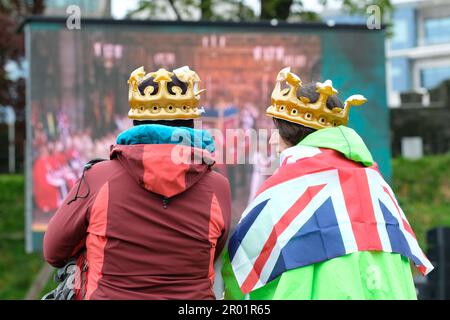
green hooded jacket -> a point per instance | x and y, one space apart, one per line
360 275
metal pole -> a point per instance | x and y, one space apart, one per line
12 147
442 263
28 161
9 117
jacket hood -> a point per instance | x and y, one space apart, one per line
162 159
342 139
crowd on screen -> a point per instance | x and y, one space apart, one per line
59 154
59 159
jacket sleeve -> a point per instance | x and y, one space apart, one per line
66 231
224 199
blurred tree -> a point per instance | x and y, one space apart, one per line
184 9
275 9
206 9
12 52
12 91
283 10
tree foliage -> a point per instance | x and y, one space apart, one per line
282 10
12 92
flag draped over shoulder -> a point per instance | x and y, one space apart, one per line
319 205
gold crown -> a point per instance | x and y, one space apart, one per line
287 106
164 95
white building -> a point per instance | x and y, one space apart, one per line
89 8
419 52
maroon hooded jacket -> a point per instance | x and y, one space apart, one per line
152 228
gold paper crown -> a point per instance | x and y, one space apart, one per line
164 95
286 105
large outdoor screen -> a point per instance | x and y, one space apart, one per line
77 91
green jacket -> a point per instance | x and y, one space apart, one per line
359 275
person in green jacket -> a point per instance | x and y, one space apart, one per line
325 225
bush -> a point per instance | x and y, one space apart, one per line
17 268
423 190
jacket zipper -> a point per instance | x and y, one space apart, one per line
165 202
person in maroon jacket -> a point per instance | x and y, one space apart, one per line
150 222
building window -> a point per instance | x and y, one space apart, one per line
85 5
56 4
400 37
432 77
437 30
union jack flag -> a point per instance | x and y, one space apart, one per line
318 206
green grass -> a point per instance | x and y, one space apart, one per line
17 269
51 284
422 187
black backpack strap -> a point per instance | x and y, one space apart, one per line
87 166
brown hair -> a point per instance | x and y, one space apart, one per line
293 133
